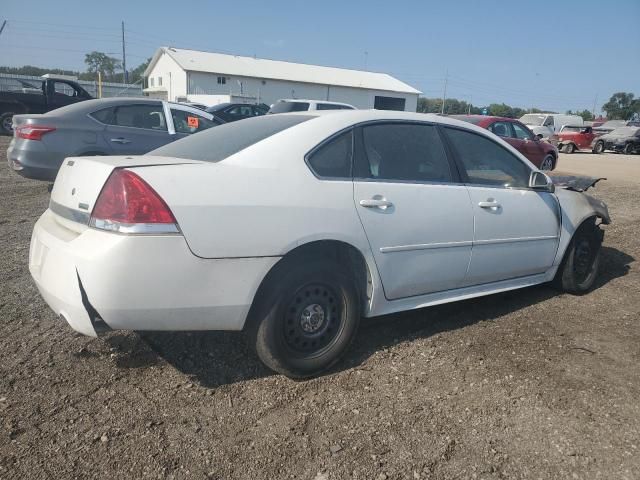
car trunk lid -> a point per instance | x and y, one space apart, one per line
80 181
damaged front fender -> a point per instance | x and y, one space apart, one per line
576 183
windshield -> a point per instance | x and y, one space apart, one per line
566 129
625 132
285 107
613 124
218 143
533 119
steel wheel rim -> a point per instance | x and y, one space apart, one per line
583 260
547 163
312 319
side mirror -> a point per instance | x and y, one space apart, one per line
540 181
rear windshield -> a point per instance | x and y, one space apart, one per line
218 143
286 107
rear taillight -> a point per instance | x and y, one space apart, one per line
32 132
128 204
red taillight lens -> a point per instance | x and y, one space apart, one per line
32 132
128 204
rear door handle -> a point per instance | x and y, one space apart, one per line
120 140
489 204
376 203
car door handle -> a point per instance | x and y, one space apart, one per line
489 204
120 140
376 203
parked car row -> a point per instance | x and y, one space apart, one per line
621 139
360 213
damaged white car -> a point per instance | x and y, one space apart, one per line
294 226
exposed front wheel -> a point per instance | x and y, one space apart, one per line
570 148
306 319
628 149
6 123
547 163
598 147
579 268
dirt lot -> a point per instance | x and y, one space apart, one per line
527 384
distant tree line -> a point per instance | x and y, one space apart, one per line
109 67
621 106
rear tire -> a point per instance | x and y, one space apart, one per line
6 123
306 319
628 149
598 147
570 148
579 268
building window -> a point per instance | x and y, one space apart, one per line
151 81
159 81
222 80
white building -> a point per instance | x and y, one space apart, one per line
210 78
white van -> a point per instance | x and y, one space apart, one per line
546 124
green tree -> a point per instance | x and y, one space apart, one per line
621 106
135 75
101 62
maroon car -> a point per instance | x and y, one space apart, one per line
542 154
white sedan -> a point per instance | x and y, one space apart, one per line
294 226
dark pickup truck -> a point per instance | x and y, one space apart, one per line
31 97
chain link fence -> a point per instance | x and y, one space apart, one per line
29 84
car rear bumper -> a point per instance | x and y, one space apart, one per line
139 282
35 161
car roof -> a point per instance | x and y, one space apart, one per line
482 119
306 100
95 104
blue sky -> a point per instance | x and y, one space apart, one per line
555 55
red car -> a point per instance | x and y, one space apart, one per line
542 154
571 139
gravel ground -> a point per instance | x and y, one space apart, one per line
526 384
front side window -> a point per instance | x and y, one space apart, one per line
103 116
333 159
284 107
188 122
501 129
409 152
150 117
62 88
486 162
522 133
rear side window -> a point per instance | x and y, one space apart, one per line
486 162
331 106
103 116
333 159
150 117
216 144
406 152
285 107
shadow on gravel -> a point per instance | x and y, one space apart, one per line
219 358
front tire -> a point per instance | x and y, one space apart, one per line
598 147
547 163
306 319
579 268
628 149
570 148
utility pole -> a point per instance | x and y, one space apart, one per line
444 94
470 100
2 27
124 58
593 112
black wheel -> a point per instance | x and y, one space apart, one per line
598 147
628 149
6 123
306 318
579 268
570 148
547 163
